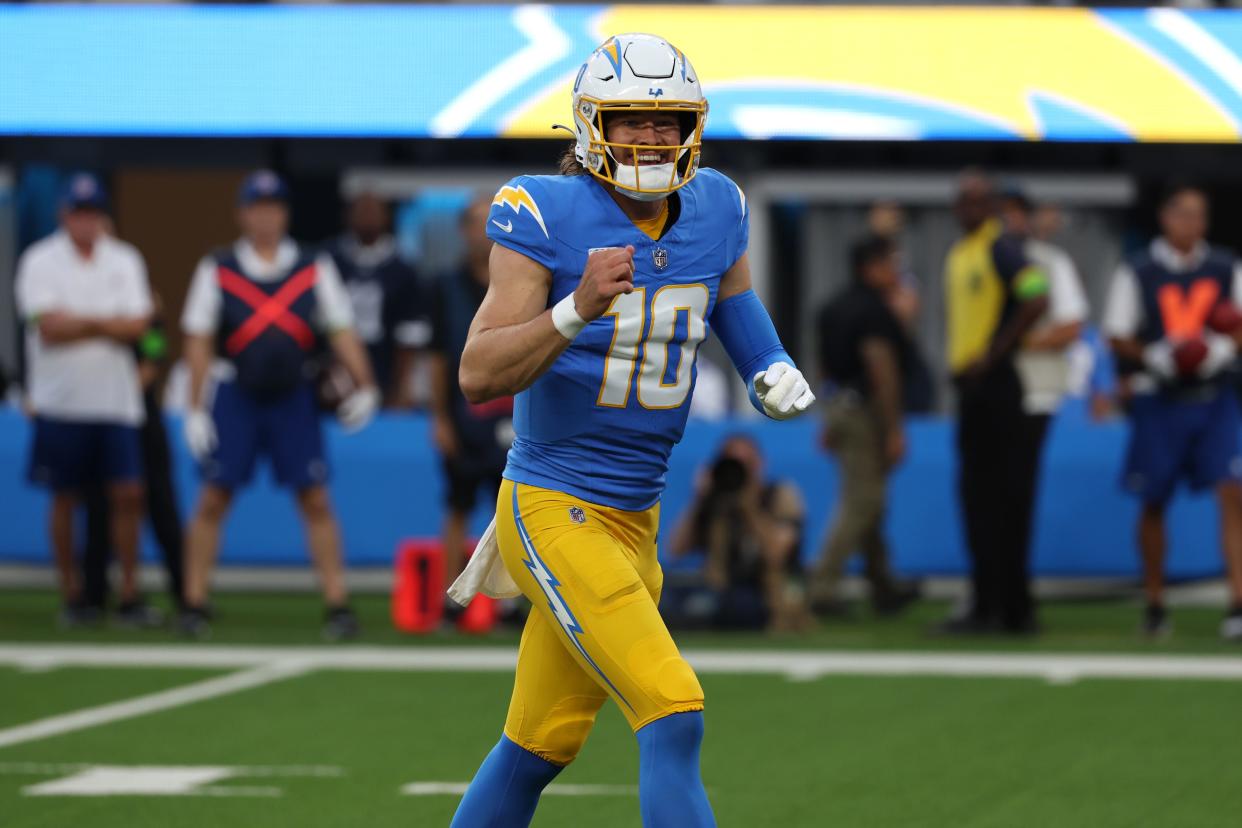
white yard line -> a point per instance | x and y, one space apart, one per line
459 788
796 664
86 779
258 771
274 670
258 666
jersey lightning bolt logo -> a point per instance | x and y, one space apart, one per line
556 602
516 198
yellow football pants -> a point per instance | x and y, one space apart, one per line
593 579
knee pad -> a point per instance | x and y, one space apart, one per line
561 734
677 683
561 742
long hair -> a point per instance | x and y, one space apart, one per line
569 164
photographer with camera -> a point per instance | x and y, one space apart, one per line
750 532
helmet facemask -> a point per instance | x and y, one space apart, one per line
614 163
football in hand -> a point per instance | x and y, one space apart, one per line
1225 318
1189 355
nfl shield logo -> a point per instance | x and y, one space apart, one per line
660 257
577 515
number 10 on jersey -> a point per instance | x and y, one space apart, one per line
629 311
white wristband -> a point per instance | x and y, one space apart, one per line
566 319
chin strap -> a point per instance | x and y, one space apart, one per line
639 196
627 171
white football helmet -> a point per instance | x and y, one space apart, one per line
638 72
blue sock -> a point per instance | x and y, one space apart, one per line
670 789
505 791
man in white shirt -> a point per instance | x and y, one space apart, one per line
1176 358
261 307
1043 359
85 299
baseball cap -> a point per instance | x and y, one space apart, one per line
262 185
1013 191
84 190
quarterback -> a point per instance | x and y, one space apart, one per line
604 281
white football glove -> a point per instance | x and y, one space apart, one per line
1222 351
200 433
358 409
783 391
1158 359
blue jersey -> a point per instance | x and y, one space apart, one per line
601 422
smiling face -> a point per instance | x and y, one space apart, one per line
643 128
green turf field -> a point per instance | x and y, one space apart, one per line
341 746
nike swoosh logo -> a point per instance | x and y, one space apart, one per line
507 226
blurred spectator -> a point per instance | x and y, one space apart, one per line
994 295
887 220
1043 359
85 300
1047 222
472 439
1171 318
864 352
262 306
750 532
383 289
151 351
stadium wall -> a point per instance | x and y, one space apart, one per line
387 486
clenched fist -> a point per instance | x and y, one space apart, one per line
608 273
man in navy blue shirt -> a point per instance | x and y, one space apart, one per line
383 289
254 318
1178 372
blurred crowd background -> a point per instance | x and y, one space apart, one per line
414 269
854 242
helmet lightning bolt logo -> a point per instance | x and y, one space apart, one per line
612 50
556 602
516 198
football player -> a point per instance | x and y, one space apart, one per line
604 282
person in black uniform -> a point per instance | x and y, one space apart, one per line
389 316
472 439
994 295
864 353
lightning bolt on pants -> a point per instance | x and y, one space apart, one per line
595 631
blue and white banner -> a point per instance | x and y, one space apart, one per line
494 71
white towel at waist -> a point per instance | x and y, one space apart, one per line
485 572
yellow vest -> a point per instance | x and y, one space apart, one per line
974 296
